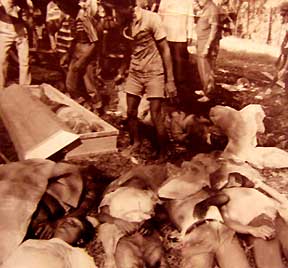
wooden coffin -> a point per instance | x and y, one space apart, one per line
92 143
34 129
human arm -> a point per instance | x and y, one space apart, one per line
263 231
45 220
217 200
88 199
190 25
164 50
125 226
284 43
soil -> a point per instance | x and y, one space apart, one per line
231 66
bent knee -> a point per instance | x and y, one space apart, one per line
153 256
128 255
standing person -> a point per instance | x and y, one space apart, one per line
150 69
283 64
13 31
208 31
86 38
178 22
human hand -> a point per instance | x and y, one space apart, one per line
284 50
205 51
265 232
119 79
45 230
64 60
125 226
146 228
170 89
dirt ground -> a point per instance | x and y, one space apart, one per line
231 66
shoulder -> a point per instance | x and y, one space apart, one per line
213 8
150 17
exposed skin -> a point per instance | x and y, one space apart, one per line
45 224
69 230
265 232
125 226
125 17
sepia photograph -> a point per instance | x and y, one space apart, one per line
143 133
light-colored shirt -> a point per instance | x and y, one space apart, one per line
12 9
177 17
146 30
130 204
53 253
247 203
209 15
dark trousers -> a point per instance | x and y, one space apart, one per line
206 65
180 58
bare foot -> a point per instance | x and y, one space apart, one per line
131 150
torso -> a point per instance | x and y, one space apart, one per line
145 33
247 203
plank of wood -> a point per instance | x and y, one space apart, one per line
92 143
271 77
34 129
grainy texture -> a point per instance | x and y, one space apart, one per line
231 66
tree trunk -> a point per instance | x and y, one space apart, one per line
269 36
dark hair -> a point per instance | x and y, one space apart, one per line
87 232
119 3
283 7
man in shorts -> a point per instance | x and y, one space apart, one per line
150 69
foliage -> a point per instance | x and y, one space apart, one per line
256 19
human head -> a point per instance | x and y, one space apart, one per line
125 9
72 229
201 3
283 8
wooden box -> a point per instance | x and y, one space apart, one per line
92 143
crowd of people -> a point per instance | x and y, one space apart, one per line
48 209
142 44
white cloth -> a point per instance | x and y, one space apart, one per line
53 12
177 17
247 203
130 204
53 253
241 128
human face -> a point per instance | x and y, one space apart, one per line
201 2
284 16
69 230
125 15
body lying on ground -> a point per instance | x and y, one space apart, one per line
56 252
125 212
204 238
251 212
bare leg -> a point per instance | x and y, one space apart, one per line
133 102
158 121
231 254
